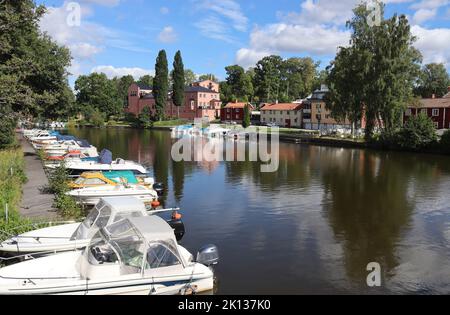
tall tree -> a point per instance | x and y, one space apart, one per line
33 68
238 85
123 84
247 116
178 82
390 67
97 92
268 78
433 79
161 84
146 80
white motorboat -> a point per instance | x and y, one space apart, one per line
104 164
92 195
69 237
42 136
62 147
130 257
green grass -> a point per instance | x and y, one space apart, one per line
12 177
170 123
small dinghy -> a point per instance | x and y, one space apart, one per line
138 256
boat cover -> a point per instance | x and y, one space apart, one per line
127 175
84 144
105 157
65 138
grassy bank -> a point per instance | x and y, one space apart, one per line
12 177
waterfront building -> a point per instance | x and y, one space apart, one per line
438 109
316 116
201 100
234 112
288 115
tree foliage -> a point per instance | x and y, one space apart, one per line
433 79
161 84
208 76
383 68
418 133
97 92
146 80
238 85
178 81
33 68
247 116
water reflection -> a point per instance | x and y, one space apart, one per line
315 224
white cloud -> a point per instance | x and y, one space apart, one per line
84 50
228 9
112 71
223 18
433 43
423 15
164 10
248 57
167 35
429 4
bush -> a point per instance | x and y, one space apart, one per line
418 133
445 142
7 136
145 119
97 118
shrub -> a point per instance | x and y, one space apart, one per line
145 119
418 133
7 126
445 142
97 118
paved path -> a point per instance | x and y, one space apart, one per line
35 204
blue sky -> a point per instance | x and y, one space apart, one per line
120 37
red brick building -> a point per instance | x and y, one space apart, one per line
438 109
201 100
234 112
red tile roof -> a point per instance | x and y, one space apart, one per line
282 106
237 105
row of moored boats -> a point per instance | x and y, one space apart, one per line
123 246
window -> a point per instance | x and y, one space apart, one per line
159 256
94 181
408 112
436 124
435 112
424 111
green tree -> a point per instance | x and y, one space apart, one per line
445 142
97 92
389 65
268 76
33 68
146 80
298 78
238 85
178 82
161 84
208 76
433 79
123 84
145 118
247 116
189 76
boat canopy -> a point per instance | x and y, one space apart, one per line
66 138
127 175
84 143
105 157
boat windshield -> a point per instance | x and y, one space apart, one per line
98 217
121 243
79 181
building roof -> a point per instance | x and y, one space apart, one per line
433 102
282 106
144 86
198 89
237 105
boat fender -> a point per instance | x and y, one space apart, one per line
178 228
155 204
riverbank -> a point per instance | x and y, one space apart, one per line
12 177
36 203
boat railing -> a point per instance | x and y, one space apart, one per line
153 211
32 256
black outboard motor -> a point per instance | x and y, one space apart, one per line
177 225
159 188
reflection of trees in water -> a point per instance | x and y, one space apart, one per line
294 169
367 205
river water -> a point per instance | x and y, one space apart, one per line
313 226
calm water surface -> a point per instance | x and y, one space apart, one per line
313 226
